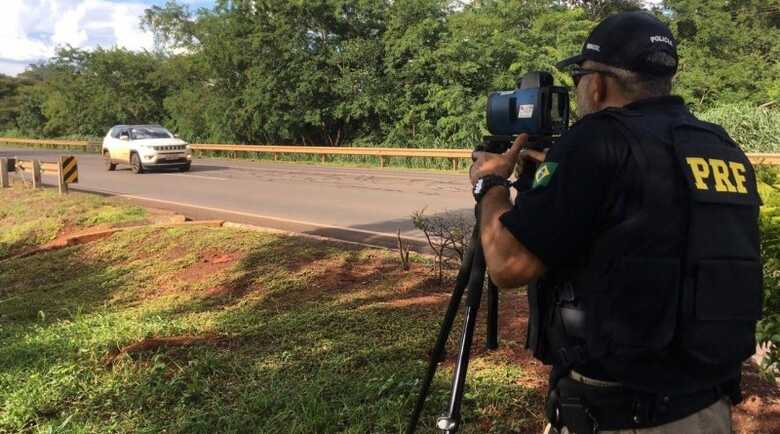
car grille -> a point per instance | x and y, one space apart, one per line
173 161
170 148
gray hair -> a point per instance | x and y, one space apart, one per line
634 85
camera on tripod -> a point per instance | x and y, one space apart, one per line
537 107
541 110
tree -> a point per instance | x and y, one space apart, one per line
172 25
10 101
597 10
726 50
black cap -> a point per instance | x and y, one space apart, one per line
625 41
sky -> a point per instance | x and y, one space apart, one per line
30 30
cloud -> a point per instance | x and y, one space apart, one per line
30 30
15 45
11 67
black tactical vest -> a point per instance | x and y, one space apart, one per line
669 298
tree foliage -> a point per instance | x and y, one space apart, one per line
768 330
729 50
600 9
408 73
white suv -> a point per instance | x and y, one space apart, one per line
145 147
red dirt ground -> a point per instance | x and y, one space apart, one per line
759 412
208 264
150 344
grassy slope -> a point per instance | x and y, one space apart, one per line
303 336
32 219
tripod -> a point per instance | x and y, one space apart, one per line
472 276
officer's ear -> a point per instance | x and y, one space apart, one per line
599 89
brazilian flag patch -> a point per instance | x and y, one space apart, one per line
543 174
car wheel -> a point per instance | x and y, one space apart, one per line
135 163
185 168
107 161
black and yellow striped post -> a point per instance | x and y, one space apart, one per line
69 172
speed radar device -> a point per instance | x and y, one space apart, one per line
537 108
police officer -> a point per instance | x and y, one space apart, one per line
640 239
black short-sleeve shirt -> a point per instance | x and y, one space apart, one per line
573 198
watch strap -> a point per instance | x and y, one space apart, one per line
487 182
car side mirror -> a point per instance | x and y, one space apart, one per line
124 137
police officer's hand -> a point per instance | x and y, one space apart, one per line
529 160
533 155
487 163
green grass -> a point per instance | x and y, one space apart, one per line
312 336
32 218
90 149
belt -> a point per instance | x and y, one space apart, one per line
588 408
576 376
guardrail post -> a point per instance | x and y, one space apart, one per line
323 158
4 182
454 164
36 174
381 161
63 186
276 156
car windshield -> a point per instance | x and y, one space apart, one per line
141 133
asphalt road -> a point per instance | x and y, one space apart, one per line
354 204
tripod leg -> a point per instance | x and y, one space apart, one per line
463 279
450 422
492 315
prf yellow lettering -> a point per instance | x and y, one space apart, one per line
722 174
738 170
701 171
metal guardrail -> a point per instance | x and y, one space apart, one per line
764 159
65 168
453 154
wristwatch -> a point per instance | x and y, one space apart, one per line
487 182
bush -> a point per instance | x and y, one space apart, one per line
448 234
768 332
11 133
754 129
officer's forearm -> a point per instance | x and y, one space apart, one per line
509 263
